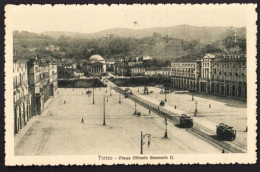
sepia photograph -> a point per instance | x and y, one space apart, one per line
130 84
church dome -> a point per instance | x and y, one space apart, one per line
96 58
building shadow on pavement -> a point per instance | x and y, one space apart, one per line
226 100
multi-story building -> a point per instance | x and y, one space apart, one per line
228 76
218 74
206 73
165 71
136 70
42 83
185 75
53 78
21 95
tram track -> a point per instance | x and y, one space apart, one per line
197 129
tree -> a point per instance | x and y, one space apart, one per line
229 42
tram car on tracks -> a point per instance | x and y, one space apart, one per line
127 92
225 132
186 121
162 103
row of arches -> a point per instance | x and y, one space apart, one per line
186 84
22 114
229 89
236 90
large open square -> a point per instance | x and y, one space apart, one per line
212 110
60 131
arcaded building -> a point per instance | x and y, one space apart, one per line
218 74
228 76
185 75
42 83
21 95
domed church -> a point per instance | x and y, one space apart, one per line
97 64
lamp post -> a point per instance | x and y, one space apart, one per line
135 109
142 140
195 113
93 96
165 134
165 96
104 110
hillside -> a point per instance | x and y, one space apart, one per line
158 45
185 32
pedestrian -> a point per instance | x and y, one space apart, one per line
175 107
209 105
64 102
82 120
223 151
149 111
246 129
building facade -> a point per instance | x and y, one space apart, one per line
185 75
165 71
228 76
42 83
136 70
218 74
53 73
21 95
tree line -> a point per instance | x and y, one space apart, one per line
161 48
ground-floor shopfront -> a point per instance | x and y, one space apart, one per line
22 112
219 88
185 83
231 89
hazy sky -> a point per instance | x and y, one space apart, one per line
92 18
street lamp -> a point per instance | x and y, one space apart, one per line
93 96
135 109
165 96
142 140
104 110
195 113
119 98
165 134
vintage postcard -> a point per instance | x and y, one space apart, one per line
130 84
